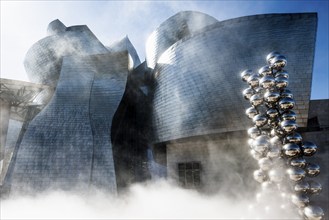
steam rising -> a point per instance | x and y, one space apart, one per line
152 200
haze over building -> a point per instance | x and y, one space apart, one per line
110 117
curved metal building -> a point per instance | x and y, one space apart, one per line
68 144
184 102
197 85
198 118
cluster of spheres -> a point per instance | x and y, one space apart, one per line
274 142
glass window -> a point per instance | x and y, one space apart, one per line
189 174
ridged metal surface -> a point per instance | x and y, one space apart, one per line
197 80
43 60
175 28
68 144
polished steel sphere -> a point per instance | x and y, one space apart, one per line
259 120
271 55
256 155
295 138
256 100
276 141
272 113
276 175
282 73
278 62
261 144
271 96
286 103
296 174
268 186
314 187
259 90
247 93
251 112
265 163
281 82
253 80
273 123
309 148
291 150
298 162
288 126
277 132
302 187
312 212
312 169
286 94
289 115
300 200
270 104
274 152
253 132
246 74
267 82
260 176
265 71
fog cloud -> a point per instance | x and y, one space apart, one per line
153 200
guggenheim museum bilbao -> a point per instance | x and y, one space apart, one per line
100 117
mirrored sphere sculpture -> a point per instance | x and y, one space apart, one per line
246 74
300 200
253 80
265 71
312 169
309 148
286 103
314 187
298 162
291 150
296 174
278 62
271 55
295 138
313 212
275 144
256 100
302 187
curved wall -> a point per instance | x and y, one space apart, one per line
197 80
68 144
44 59
181 25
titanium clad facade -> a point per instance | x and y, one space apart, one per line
175 28
68 143
44 59
197 82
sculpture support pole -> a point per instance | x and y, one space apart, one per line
274 142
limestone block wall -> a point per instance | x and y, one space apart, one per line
198 88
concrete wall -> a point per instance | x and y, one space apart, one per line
226 166
197 80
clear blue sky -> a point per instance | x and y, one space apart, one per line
25 22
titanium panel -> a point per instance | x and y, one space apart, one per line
68 144
197 80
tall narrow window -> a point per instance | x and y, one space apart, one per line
189 174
